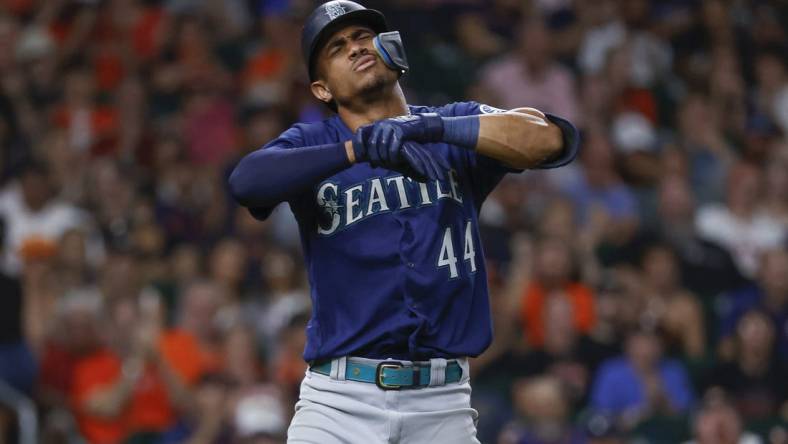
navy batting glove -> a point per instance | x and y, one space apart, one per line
461 131
360 149
424 128
391 133
375 154
423 162
409 158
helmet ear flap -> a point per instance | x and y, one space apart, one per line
392 51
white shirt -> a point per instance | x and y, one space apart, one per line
745 239
22 224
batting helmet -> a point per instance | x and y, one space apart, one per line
331 16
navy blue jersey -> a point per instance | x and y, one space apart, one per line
395 266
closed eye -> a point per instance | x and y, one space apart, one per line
335 47
361 34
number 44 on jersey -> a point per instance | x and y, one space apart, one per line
447 257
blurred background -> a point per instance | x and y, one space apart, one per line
639 294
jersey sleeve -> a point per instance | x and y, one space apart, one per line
571 142
289 139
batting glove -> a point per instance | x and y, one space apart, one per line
406 157
423 128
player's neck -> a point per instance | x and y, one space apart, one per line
391 104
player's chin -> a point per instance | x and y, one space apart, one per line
375 79
369 82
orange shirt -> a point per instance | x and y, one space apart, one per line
533 303
94 372
149 407
104 125
267 64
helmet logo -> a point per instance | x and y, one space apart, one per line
334 10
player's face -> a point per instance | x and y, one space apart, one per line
348 67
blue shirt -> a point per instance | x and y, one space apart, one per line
395 266
619 202
618 388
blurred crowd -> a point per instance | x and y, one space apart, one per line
639 294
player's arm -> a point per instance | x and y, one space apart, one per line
278 171
521 138
272 174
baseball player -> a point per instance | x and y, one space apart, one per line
387 197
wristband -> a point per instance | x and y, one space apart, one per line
434 128
461 131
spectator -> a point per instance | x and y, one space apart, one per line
554 277
529 74
284 299
769 293
186 265
771 77
600 198
566 354
271 63
755 378
110 192
709 154
706 267
91 126
611 320
206 420
559 220
543 410
717 421
728 90
120 277
635 141
136 383
642 383
668 306
256 410
199 320
34 216
135 134
228 266
76 334
741 225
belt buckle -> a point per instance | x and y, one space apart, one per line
379 374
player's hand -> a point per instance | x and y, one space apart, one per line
406 157
420 164
422 128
